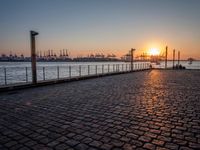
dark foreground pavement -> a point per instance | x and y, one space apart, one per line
142 110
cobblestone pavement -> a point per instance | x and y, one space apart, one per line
142 110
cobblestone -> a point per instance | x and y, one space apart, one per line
157 109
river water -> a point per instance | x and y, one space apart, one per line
20 72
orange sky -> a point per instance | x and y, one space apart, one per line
101 26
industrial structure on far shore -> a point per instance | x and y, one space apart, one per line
62 56
50 55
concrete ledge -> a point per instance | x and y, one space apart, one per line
13 87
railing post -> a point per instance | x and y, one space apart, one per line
113 67
43 73
58 72
117 67
126 67
80 70
122 67
26 74
96 69
88 69
108 68
70 72
102 69
5 77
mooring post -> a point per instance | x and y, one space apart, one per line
174 57
166 53
33 56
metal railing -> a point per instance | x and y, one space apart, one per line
17 75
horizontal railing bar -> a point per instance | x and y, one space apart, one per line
58 72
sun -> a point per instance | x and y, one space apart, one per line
154 51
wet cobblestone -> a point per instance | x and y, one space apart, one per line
156 110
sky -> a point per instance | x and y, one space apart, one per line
101 26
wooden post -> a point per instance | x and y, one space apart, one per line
33 57
166 53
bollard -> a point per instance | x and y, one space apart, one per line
108 68
70 73
26 74
113 67
5 76
126 67
122 67
43 73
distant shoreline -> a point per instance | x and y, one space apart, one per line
64 61
84 60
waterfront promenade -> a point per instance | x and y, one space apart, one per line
153 109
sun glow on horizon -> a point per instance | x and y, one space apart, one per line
153 51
